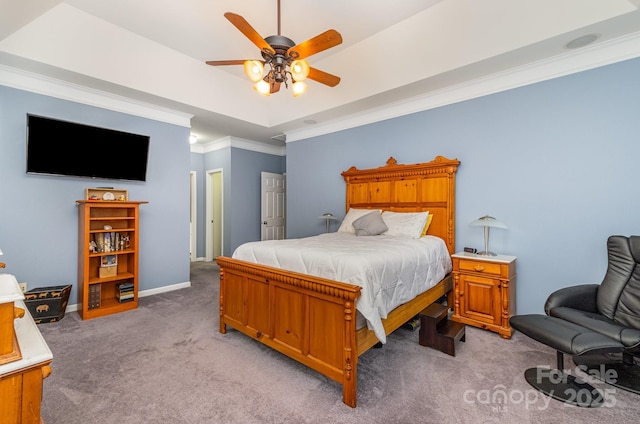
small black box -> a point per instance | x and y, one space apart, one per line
47 304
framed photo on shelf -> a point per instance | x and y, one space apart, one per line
108 261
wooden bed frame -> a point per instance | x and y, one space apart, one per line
313 320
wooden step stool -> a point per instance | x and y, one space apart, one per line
436 331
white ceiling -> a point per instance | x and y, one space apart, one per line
393 53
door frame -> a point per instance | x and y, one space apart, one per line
193 228
209 187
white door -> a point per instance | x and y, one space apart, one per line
273 206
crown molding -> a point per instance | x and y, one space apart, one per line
40 84
197 148
36 83
590 57
239 143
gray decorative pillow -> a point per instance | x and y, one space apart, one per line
370 224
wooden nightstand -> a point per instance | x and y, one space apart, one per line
484 290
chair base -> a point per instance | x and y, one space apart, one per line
614 369
564 387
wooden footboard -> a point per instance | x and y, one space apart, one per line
309 319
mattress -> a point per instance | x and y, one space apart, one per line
390 270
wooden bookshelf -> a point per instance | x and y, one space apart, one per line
108 236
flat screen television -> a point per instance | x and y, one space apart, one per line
56 147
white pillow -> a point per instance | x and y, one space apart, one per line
405 224
352 215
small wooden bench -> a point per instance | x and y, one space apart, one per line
437 331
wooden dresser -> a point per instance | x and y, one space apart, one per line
21 377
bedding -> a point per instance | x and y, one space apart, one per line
405 224
347 223
426 227
391 270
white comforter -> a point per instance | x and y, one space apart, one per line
390 270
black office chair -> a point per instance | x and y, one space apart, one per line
599 325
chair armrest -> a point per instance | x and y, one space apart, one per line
582 297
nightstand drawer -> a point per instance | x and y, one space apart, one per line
480 266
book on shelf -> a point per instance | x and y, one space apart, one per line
123 299
125 292
94 296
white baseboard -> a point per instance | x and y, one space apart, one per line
164 289
144 293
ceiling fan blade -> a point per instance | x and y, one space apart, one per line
323 77
225 62
275 87
244 27
324 41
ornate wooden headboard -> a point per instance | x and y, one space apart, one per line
428 186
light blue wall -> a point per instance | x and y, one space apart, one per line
197 166
556 161
38 214
241 170
245 196
219 159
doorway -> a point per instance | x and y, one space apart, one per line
214 215
193 213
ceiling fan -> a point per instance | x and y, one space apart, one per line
283 58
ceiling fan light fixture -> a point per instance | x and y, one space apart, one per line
262 87
285 59
253 69
299 88
299 69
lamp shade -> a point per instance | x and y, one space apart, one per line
253 69
262 87
488 221
328 215
299 69
299 88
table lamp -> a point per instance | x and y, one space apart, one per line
328 217
487 222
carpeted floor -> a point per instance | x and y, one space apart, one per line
166 362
